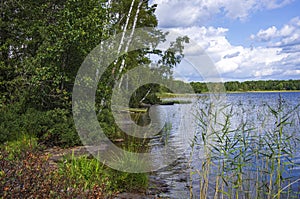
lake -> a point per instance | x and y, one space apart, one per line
244 145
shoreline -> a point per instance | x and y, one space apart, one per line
187 95
271 91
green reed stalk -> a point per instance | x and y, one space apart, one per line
235 149
278 180
194 141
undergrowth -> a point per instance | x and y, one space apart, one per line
90 172
30 175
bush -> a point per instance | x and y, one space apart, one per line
54 127
60 129
107 123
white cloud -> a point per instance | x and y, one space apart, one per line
287 39
292 72
185 13
267 35
286 30
289 34
237 62
276 52
264 72
227 65
273 4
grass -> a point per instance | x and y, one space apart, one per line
25 172
172 95
29 175
136 110
167 102
245 159
23 143
90 172
265 91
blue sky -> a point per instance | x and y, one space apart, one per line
245 39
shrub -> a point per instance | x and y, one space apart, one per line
54 127
9 124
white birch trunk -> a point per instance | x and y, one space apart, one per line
130 39
125 28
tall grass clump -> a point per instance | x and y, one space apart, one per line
89 172
246 150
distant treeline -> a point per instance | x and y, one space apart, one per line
269 85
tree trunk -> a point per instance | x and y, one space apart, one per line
130 40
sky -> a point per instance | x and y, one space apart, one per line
245 39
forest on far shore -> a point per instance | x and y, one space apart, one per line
261 85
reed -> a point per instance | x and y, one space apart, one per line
247 150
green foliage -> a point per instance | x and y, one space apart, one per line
90 172
16 147
151 93
199 87
269 85
59 129
107 123
54 127
8 124
75 29
43 44
145 94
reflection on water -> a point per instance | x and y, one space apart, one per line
250 118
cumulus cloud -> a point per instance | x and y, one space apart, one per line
185 13
287 39
288 35
239 62
273 4
266 35
276 53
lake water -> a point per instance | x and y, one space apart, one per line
244 131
